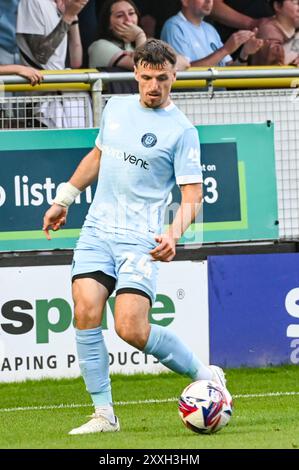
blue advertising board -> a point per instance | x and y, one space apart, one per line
254 309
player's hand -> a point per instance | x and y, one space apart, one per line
165 251
54 218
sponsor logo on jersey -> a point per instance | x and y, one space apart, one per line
136 161
125 156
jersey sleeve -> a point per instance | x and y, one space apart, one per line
187 166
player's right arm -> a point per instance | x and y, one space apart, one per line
87 170
85 174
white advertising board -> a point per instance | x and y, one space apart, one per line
36 331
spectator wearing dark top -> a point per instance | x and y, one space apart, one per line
88 22
157 10
88 28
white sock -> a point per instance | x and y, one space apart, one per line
106 411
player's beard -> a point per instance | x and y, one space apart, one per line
154 101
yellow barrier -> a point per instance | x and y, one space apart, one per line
223 83
239 83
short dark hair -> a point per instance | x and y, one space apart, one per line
154 52
103 17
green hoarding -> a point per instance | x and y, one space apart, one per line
240 197
240 194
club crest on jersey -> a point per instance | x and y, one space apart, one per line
149 140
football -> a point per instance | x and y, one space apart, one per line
205 407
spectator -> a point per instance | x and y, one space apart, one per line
233 15
281 44
33 75
119 34
7 114
199 41
46 29
9 53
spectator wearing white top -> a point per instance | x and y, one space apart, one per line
45 28
46 31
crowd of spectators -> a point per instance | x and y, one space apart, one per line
56 34
103 34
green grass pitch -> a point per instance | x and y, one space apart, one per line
39 414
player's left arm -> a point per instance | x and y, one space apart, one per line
188 210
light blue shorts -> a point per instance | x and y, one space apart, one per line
120 262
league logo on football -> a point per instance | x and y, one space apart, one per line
149 140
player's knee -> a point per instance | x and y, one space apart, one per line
124 331
86 315
132 334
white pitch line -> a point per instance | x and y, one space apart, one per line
137 402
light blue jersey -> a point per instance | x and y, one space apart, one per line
144 153
192 41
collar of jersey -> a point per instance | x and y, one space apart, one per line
167 108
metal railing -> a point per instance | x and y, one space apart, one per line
210 74
94 81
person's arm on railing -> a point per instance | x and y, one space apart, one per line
31 74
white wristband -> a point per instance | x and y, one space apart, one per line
66 195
